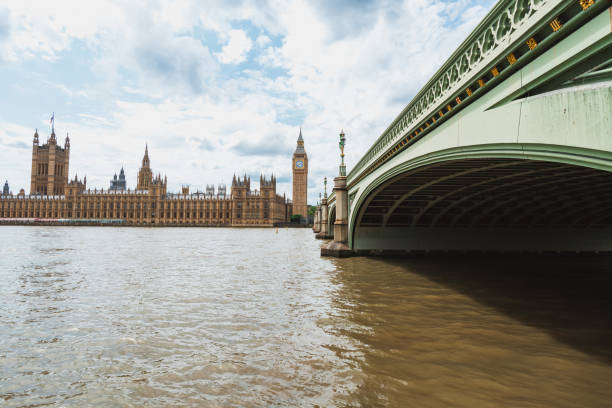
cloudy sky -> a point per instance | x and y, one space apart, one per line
214 87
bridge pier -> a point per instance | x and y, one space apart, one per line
324 233
339 246
316 223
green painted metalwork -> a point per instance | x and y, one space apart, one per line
557 107
501 44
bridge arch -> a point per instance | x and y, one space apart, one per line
517 159
489 197
331 219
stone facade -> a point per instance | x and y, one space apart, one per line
300 179
148 204
50 163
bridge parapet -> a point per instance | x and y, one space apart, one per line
512 34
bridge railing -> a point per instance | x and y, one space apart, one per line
504 37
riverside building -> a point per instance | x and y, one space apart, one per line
54 198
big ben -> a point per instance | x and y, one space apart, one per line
300 178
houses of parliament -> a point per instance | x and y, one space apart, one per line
55 197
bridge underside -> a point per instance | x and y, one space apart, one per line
489 205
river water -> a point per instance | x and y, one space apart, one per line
255 318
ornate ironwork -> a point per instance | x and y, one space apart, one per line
506 25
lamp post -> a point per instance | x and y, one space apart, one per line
341 144
325 187
339 246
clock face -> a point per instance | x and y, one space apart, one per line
299 164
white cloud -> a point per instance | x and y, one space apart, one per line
235 51
45 29
159 82
262 41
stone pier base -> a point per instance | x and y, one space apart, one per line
337 250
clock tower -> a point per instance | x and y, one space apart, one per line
300 179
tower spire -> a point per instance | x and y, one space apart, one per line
300 144
145 159
52 138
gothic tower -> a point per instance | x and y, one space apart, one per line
267 189
241 189
50 164
300 178
145 175
146 180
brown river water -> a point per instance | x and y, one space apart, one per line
147 317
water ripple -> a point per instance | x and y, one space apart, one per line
249 318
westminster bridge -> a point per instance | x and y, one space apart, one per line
508 147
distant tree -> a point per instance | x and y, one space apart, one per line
311 210
295 218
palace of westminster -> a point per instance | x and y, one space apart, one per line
56 198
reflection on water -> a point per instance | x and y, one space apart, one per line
495 332
225 317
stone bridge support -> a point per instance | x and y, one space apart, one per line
316 224
324 233
339 246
